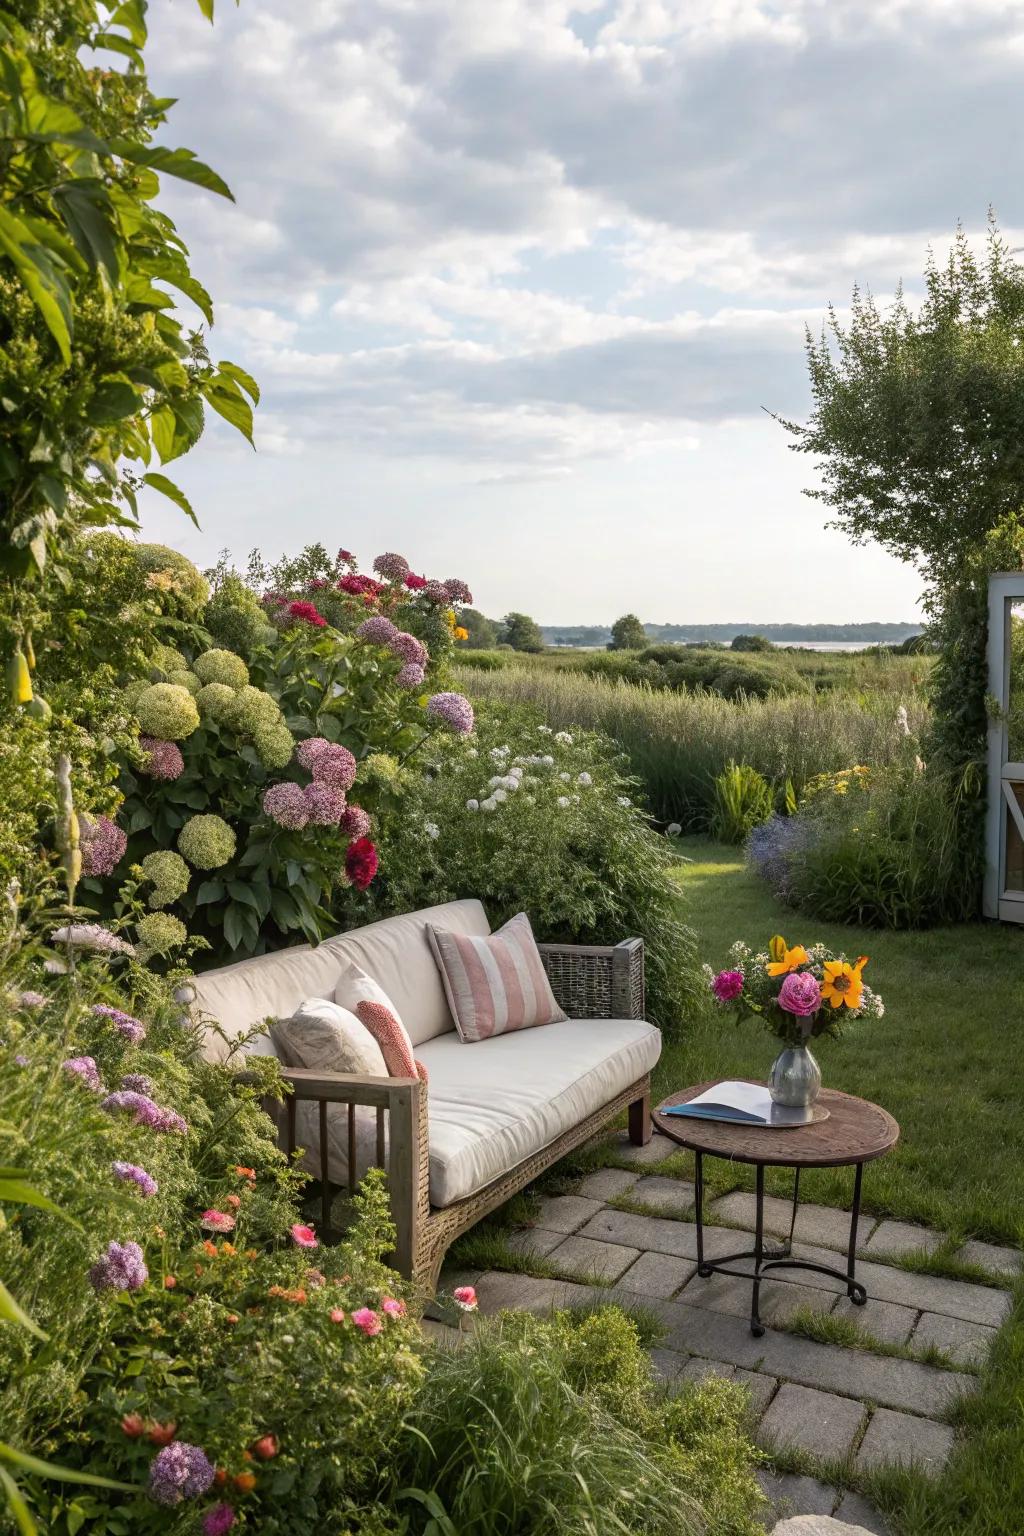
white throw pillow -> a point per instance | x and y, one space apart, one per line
354 986
327 1037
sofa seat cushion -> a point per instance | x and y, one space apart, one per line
496 1102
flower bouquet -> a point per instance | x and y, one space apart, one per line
797 994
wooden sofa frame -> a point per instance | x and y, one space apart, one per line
590 982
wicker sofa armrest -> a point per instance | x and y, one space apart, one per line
404 1101
597 981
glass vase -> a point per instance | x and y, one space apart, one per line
795 1078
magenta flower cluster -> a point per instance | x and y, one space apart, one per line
163 759
410 650
436 592
452 710
179 1471
218 1520
456 591
131 1173
144 1111
355 822
327 761
121 1268
132 1030
800 994
410 676
135 1082
286 804
86 1070
103 845
392 567
727 986
377 630
324 805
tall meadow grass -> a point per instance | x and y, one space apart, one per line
678 743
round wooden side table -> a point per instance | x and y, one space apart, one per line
856 1132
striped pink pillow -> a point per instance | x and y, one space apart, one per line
496 984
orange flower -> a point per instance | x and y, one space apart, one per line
210 1248
245 1482
133 1425
227 1250
245 1173
232 1317
163 1434
784 960
266 1447
169 1282
234 1201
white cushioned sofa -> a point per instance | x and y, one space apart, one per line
496 1113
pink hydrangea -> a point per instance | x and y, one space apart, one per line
409 649
410 676
377 630
800 994
286 804
103 845
457 591
435 592
391 1307
324 805
464 1296
727 986
368 1321
391 567
328 762
355 822
162 759
452 710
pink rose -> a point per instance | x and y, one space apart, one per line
727 986
393 1307
800 994
368 1320
465 1297
305 1237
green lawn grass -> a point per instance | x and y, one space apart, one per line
947 1060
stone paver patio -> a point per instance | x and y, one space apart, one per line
856 1406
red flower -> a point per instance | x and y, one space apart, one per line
133 1425
163 1434
415 583
359 586
266 1447
361 862
308 613
345 556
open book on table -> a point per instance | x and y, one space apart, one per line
741 1104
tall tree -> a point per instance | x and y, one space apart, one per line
521 632
918 417
96 371
628 634
483 632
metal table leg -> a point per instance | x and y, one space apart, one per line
698 1200
856 1292
756 1325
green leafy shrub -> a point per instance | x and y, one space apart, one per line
542 1427
569 846
742 800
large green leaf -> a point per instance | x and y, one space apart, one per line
40 1468
240 376
16 1504
46 287
171 491
12 1312
227 400
176 273
88 214
114 399
172 162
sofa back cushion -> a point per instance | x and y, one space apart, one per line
395 952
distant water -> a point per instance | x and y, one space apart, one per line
831 645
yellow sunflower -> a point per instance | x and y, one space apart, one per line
785 960
842 983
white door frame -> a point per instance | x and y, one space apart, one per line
1004 589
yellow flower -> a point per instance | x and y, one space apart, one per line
460 633
785 960
842 983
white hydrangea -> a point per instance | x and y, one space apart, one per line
472 752
511 783
564 738
624 800
547 762
545 730
565 777
530 799
490 804
499 795
584 779
494 782
563 801
472 805
499 754
432 829
673 829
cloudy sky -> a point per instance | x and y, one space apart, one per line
521 279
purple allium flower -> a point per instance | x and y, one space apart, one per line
21 1060
452 710
800 994
286 804
391 567
136 1082
31 1000
179 1471
131 1173
355 822
324 805
327 762
163 759
775 848
457 591
103 845
91 936
86 1070
409 649
144 1111
727 986
218 1520
377 630
435 592
122 1268
410 676
123 1022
